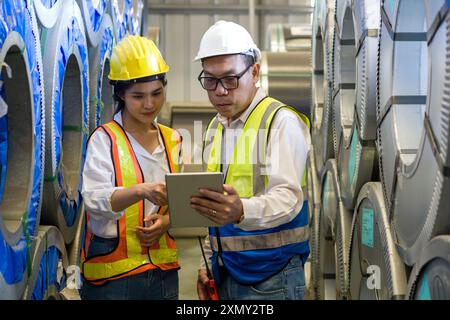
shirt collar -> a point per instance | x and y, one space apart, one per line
260 94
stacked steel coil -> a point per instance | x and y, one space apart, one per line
54 58
390 129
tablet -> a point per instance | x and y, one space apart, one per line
180 188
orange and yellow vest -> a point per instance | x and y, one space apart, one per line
129 257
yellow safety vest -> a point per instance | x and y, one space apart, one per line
130 257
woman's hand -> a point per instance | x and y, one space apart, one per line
154 192
157 226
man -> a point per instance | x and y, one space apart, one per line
259 250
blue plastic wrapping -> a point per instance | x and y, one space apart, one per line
47 275
3 147
14 16
96 13
121 25
106 46
72 38
48 3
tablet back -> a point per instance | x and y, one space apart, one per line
180 188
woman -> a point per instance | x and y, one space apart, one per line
128 253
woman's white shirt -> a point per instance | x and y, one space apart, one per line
99 179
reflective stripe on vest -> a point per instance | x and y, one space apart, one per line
130 257
239 247
266 241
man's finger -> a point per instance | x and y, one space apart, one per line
229 189
213 195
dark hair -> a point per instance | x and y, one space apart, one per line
119 89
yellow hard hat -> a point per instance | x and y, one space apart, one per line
136 57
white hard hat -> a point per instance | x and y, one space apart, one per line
226 37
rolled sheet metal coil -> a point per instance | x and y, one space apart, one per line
74 249
48 11
23 145
48 270
135 17
324 136
318 59
326 288
314 204
430 277
286 76
119 11
355 94
66 73
101 101
413 121
376 269
93 13
335 227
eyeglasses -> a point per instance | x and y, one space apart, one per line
228 82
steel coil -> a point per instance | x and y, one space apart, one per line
286 76
101 102
314 203
74 249
430 277
21 143
48 266
317 86
66 74
119 11
376 270
93 14
413 121
48 12
324 137
355 94
335 228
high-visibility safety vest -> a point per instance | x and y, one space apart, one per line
253 256
129 257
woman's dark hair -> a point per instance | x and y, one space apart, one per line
121 86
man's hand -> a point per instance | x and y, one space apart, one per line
218 207
151 234
202 285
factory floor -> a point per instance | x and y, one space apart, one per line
189 256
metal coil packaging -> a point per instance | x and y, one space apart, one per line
430 277
119 11
48 12
286 76
21 143
413 121
314 202
66 74
323 135
135 17
355 93
101 101
48 269
376 270
334 238
93 14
